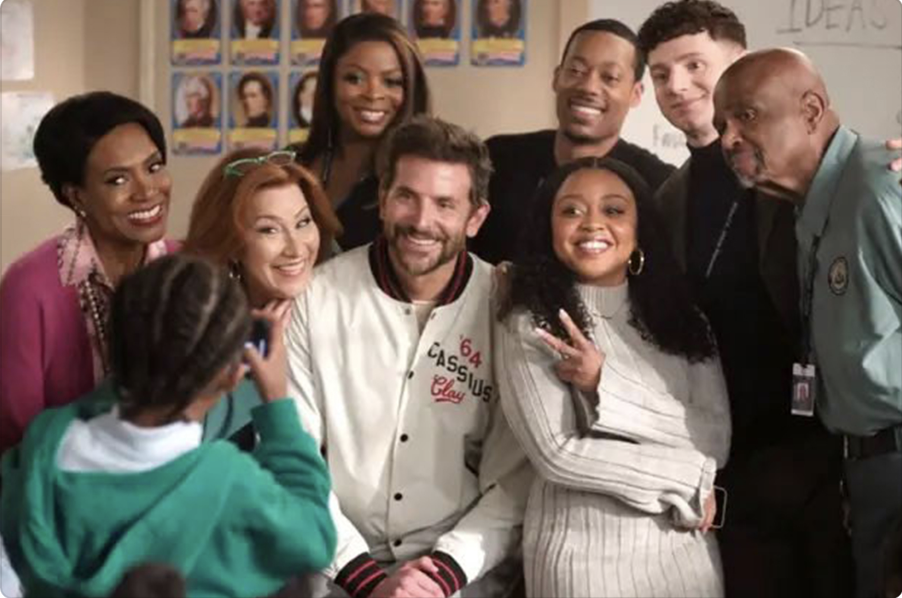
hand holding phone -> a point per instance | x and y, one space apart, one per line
264 351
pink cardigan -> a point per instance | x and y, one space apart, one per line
45 352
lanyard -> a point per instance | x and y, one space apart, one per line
718 247
808 299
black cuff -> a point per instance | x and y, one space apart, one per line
451 577
361 576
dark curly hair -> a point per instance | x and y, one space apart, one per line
688 17
661 305
174 324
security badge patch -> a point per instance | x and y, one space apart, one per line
838 276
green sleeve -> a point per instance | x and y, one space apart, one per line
290 492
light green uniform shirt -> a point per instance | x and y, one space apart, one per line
855 206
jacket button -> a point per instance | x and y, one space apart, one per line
398 496
404 437
396 543
410 374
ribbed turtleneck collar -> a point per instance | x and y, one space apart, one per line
603 302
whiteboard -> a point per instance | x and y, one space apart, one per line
856 44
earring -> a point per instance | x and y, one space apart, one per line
234 270
636 256
80 212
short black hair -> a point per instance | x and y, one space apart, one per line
174 324
68 133
688 17
613 27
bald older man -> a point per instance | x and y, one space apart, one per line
781 136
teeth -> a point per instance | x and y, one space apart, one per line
292 269
586 110
594 245
372 116
424 242
146 214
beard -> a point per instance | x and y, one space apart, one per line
450 249
748 180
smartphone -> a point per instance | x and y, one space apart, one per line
259 336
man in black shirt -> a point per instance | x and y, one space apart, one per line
783 532
596 84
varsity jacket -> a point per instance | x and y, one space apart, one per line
422 460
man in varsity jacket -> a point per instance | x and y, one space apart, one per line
390 356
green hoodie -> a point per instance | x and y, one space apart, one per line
234 524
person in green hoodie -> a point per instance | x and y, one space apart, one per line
121 477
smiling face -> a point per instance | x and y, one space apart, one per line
427 215
684 71
593 226
281 242
595 87
369 89
125 193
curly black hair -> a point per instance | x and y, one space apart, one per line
661 305
688 17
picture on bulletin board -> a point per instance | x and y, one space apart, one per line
254 110
302 86
499 33
255 32
391 8
435 26
312 22
195 32
196 113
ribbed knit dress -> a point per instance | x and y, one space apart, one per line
616 516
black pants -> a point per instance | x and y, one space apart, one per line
783 534
875 495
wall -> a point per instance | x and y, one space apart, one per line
486 100
76 49
857 45
28 212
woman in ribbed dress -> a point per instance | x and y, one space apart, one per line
610 380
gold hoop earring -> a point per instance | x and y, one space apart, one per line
636 255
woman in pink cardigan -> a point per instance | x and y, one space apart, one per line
103 157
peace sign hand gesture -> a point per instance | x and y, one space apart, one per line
581 360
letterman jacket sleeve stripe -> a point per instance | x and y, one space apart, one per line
361 576
450 576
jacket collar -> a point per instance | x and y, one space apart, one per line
388 282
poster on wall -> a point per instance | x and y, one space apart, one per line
391 8
196 113
255 32
16 40
194 32
312 22
253 109
20 114
302 86
435 24
498 33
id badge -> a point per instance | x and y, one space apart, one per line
804 387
